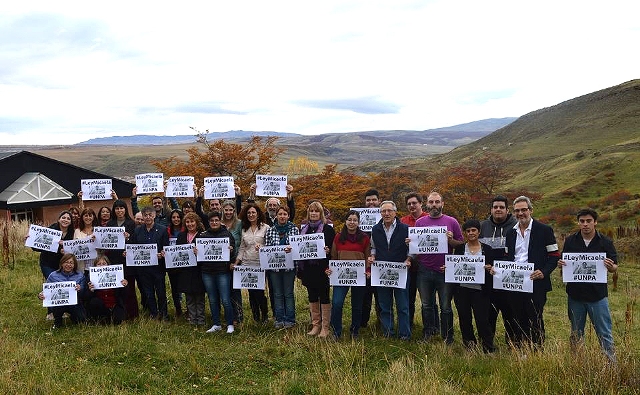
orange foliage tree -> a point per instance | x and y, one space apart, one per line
220 158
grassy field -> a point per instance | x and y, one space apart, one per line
149 357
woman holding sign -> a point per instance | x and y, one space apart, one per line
474 300
106 306
282 280
50 261
174 229
216 273
120 218
252 238
68 271
190 278
350 244
312 271
234 225
88 220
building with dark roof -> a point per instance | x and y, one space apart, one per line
36 188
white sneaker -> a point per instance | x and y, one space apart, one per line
230 329
214 328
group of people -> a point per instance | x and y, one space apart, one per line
503 236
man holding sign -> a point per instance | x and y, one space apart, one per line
532 242
431 271
388 244
590 297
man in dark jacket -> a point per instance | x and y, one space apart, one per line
531 242
590 298
493 232
152 278
388 244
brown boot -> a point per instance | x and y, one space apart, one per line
315 318
326 320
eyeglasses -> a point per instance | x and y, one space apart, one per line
520 210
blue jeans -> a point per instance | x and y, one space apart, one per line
218 289
385 297
337 303
600 318
282 288
430 282
151 280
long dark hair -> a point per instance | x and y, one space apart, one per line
344 232
119 203
245 220
172 228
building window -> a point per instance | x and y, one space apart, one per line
22 215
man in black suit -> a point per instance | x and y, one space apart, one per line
531 241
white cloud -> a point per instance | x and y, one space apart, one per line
70 72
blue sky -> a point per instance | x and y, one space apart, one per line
71 71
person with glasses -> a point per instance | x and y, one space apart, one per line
431 272
493 232
531 241
389 244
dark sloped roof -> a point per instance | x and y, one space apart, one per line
15 164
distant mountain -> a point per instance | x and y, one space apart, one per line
143 139
447 136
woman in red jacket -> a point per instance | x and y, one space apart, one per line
350 244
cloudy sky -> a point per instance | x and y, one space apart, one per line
70 71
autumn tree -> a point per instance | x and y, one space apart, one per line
216 158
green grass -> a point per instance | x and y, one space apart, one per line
149 357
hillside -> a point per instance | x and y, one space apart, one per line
578 150
124 156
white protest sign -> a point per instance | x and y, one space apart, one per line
347 273
83 249
142 254
106 277
150 183
43 238
213 249
271 186
96 189
219 188
428 240
511 276
584 268
109 237
275 257
369 216
180 255
180 186
464 269
304 247
248 277
59 294
389 274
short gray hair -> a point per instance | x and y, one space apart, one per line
523 199
391 203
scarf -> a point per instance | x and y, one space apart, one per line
283 232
